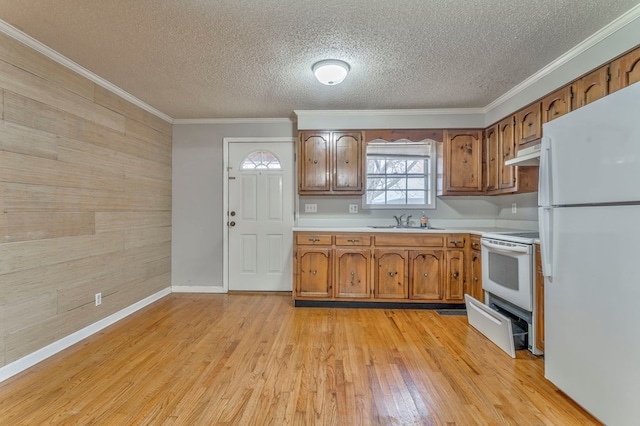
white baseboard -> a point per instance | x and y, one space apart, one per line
198 289
32 359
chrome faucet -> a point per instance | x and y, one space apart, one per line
402 223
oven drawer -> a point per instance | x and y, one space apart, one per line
495 326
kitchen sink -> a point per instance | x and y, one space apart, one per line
402 227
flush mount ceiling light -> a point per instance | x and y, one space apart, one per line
330 71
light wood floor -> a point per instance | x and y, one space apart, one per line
254 359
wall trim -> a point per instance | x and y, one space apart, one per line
31 42
34 358
198 289
232 120
580 48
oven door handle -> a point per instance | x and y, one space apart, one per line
503 249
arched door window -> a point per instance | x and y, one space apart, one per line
260 160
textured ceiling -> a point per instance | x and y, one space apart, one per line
252 59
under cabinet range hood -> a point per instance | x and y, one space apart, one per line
526 157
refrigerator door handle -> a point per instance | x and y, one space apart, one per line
546 239
544 173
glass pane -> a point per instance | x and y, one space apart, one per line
415 197
396 183
396 197
375 166
415 183
395 167
415 166
260 160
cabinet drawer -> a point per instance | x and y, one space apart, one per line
456 241
475 242
353 240
313 239
409 240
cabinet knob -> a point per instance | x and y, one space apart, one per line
346 162
529 124
555 113
352 273
474 244
464 161
315 161
393 274
475 278
314 272
353 241
455 275
426 275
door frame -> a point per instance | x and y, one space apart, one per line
225 192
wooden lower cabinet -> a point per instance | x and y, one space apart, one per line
474 284
425 274
313 272
391 276
394 267
353 268
454 284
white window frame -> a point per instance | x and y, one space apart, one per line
399 149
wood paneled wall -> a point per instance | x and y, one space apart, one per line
85 201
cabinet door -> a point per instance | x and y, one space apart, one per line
463 161
492 156
506 144
557 104
391 273
625 71
475 279
313 164
454 281
352 273
348 161
425 274
314 272
528 125
593 86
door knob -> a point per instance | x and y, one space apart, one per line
232 224
232 214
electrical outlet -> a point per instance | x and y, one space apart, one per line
353 208
514 208
98 299
311 208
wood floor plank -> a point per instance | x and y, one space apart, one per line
245 359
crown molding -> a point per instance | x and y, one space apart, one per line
233 121
391 112
31 42
617 24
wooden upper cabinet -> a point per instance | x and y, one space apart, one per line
625 71
507 150
492 157
557 104
330 163
528 125
313 162
463 162
347 161
592 86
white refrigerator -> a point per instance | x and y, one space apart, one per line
589 218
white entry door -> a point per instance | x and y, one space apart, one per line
260 215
